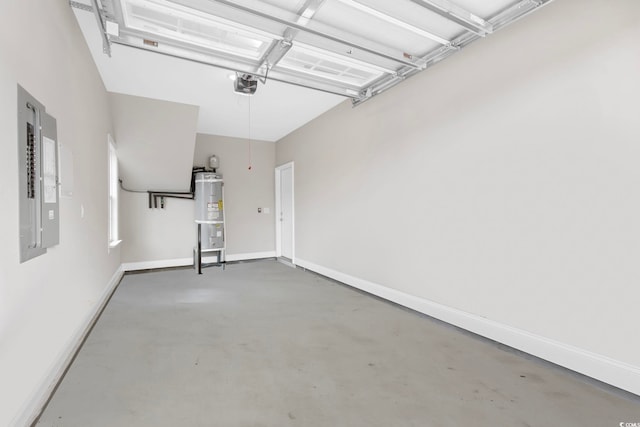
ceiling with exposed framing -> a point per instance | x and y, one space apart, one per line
307 55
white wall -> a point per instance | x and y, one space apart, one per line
46 302
502 183
155 141
156 234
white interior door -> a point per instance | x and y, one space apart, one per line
285 212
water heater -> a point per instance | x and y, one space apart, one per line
210 211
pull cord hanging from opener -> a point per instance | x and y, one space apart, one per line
250 157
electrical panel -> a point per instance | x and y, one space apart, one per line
38 170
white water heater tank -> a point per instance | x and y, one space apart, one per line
209 209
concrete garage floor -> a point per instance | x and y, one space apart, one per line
262 344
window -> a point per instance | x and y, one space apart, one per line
113 194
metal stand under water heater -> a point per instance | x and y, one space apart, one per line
209 215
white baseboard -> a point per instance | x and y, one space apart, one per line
34 406
286 262
250 256
605 369
181 262
163 263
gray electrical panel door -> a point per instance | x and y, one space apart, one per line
38 177
49 183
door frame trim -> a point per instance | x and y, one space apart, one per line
278 172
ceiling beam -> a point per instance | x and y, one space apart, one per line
279 76
279 48
94 7
81 6
456 14
296 23
296 26
308 10
106 45
356 4
274 53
